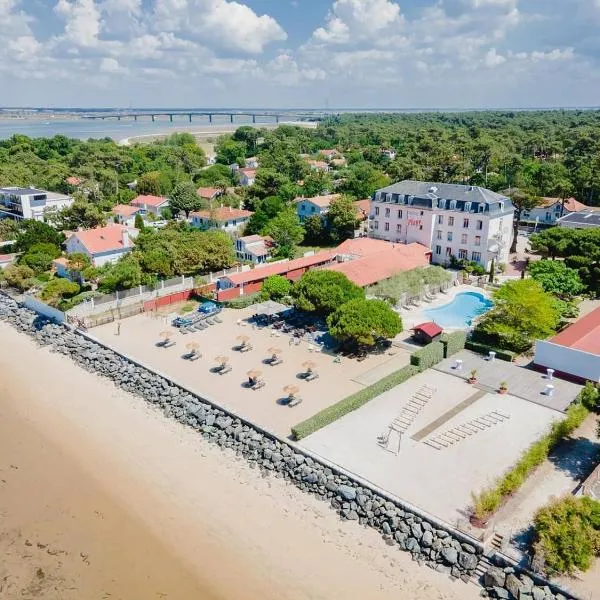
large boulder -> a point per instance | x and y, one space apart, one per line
450 556
494 577
347 493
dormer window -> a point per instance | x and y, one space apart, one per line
467 207
452 204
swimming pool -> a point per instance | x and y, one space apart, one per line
459 313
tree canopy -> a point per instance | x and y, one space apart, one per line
555 277
342 218
364 321
286 230
184 198
324 291
275 287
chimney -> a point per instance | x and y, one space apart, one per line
125 238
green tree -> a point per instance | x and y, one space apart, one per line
268 182
315 233
81 214
77 263
342 218
158 260
138 222
286 230
230 152
567 534
248 136
8 230
57 289
36 232
363 322
19 276
324 291
123 275
37 261
363 179
266 209
184 198
275 287
522 200
148 184
522 313
555 277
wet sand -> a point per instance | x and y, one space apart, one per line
101 497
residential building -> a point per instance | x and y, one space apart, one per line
254 248
317 205
338 163
467 222
151 204
583 219
211 159
329 154
246 176
30 203
208 193
549 210
575 351
389 153
7 259
124 214
319 165
252 162
226 218
104 244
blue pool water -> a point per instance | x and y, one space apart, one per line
460 313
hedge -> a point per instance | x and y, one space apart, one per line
506 355
242 301
453 342
428 356
489 500
343 407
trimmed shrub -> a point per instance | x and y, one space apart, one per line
453 342
343 407
242 301
428 356
506 355
489 500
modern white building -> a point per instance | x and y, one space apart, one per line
467 222
30 203
103 244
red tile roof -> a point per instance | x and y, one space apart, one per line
148 201
248 172
318 164
329 153
73 181
571 204
102 239
584 334
377 266
261 273
363 207
208 193
364 246
223 213
7 258
320 201
125 210
430 328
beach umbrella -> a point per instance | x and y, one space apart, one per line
274 351
254 373
291 390
192 346
309 365
242 338
222 359
165 334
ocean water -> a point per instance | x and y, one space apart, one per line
84 129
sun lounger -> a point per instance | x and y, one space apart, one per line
209 321
218 319
169 343
294 401
276 361
311 377
224 369
259 384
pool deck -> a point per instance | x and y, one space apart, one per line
417 315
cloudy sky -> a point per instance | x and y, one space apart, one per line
300 53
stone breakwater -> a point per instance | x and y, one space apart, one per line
429 543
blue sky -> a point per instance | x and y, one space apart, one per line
300 53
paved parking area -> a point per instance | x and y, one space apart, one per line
473 447
522 382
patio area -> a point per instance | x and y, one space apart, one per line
266 406
522 382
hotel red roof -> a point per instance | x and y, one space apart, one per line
261 273
148 201
74 181
583 335
430 328
363 246
223 213
102 239
377 266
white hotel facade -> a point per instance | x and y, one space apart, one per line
464 221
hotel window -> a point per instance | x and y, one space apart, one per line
376 224
387 212
399 228
441 219
479 225
399 214
449 236
478 240
377 211
439 235
462 253
452 204
463 238
387 226
467 207
465 223
450 221
448 251
438 249
476 256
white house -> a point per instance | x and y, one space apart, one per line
226 218
549 210
319 165
124 214
468 222
103 244
30 203
246 176
252 162
254 248
389 153
151 204
317 205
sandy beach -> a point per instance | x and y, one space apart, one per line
101 497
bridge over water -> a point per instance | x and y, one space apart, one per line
254 115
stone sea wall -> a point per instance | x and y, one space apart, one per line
428 542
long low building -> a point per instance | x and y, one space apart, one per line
575 351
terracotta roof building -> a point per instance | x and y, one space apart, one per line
103 244
226 218
151 204
125 213
208 193
317 205
74 181
549 210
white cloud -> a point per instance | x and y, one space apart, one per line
111 65
82 21
493 59
24 47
